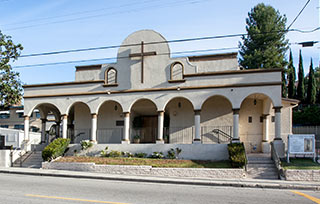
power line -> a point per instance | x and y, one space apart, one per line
114 58
106 14
158 42
294 20
75 13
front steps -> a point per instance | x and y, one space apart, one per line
31 159
260 166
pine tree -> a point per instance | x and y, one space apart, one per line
312 86
265 45
300 89
291 77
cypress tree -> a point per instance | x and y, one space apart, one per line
291 78
300 89
312 89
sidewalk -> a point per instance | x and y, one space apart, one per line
246 183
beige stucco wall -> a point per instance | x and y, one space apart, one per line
251 133
216 65
181 121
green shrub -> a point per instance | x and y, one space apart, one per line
114 153
55 149
85 144
237 155
157 155
140 155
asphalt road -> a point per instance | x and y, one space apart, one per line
24 189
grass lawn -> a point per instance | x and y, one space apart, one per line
301 163
172 163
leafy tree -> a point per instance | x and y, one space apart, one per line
265 45
300 89
10 85
312 86
291 77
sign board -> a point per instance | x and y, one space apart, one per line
301 144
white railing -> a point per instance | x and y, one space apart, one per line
109 135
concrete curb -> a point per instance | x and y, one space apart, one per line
184 181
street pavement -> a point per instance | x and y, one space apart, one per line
20 188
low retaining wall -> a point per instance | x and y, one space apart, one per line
213 152
146 170
302 175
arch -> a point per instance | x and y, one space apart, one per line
74 103
110 76
168 101
142 99
44 108
106 101
176 71
257 96
216 95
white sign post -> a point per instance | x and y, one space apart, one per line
301 144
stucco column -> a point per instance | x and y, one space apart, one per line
64 126
58 129
160 127
94 128
126 128
278 143
265 128
265 140
197 128
43 130
26 127
235 137
277 126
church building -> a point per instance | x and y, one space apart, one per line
149 97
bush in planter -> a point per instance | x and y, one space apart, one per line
237 155
55 149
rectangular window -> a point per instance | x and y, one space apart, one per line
119 123
4 115
4 126
250 119
38 115
19 127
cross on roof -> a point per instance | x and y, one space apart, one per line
142 54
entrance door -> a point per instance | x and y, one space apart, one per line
149 129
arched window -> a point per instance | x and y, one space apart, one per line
176 71
111 76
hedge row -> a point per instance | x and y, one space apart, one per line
55 149
237 155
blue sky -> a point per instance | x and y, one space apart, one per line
43 26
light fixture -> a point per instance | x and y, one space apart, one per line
115 107
179 104
255 102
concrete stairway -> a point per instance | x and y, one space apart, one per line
31 159
260 166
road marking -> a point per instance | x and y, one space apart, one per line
316 200
73 199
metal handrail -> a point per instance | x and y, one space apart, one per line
275 157
224 134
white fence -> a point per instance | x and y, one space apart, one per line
16 137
